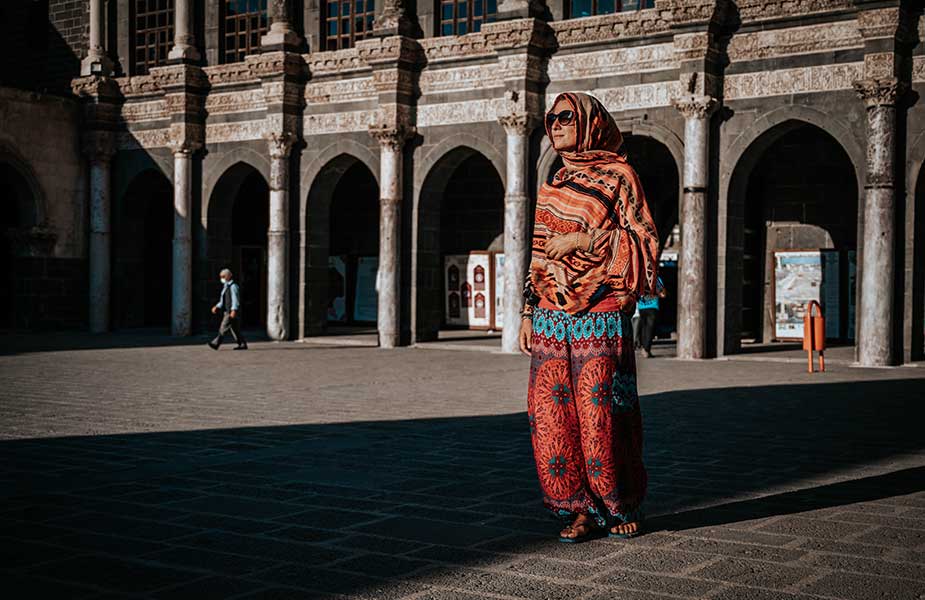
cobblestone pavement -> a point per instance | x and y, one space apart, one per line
307 471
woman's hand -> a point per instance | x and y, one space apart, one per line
526 331
562 245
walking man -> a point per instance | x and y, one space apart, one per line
230 303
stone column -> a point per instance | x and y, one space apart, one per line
388 279
182 290
877 285
184 42
280 145
692 268
99 155
96 53
516 221
281 35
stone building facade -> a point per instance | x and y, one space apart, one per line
755 125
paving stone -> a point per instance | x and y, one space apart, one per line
656 560
244 508
866 587
264 548
434 532
492 582
753 572
209 588
649 582
890 536
866 565
751 551
381 565
209 561
735 592
119 575
806 527
21 586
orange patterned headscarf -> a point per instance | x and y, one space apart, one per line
598 138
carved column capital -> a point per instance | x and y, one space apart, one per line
391 138
184 147
880 92
696 107
280 143
393 20
98 146
518 123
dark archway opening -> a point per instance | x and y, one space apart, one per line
917 341
800 194
659 174
460 211
16 195
143 253
239 216
354 248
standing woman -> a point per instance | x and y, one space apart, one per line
594 253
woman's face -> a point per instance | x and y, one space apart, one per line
564 137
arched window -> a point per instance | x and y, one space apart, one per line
152 33
244 22
346 21
459 17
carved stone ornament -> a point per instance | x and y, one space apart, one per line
171 77
279 143
184 147
880 92
696 107
98 146
607 28
391 138
520 124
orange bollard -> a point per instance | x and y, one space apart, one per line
814 335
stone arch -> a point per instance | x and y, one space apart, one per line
36 212
447 145
432 182
350 164
213 172
240 242
741 288
914 302
142 249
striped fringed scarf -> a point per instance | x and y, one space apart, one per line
599 193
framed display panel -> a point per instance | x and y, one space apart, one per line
366 299
469 290
337 289
498 267
797 281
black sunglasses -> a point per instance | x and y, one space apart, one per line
565 118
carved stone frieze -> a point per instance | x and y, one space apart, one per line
608 28
517 33
461 78
339 122
634 97
801 80
148 138
454 47
879 23
217 133
139 112
918 69
335 62
339 90
276 64
451 113
756 10
233 73
280 91
239 101
687 12
184 147
880 92
795 40
171 77
696 107
138 85
611 62
392 49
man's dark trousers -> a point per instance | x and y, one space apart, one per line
229 323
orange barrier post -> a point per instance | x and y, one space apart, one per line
814 335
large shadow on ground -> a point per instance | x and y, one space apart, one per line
371 508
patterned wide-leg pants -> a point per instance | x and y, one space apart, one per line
585 421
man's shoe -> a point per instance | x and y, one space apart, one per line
213 345
241 347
